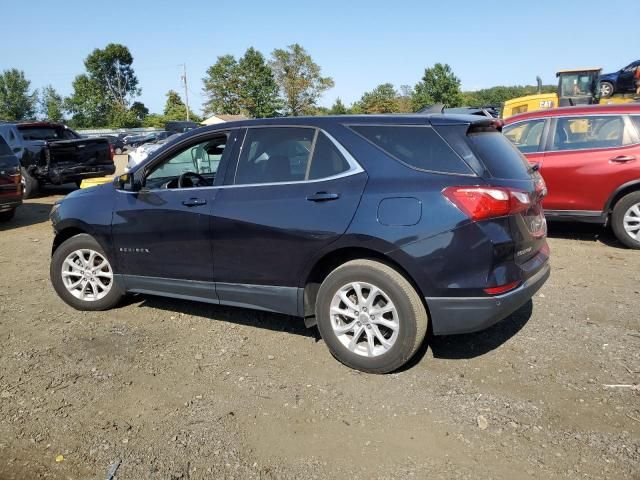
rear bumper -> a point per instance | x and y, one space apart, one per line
59 175
452 315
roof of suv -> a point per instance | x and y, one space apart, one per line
632 107
320 121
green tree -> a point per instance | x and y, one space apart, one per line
108 84
222 86
338 108
122 117
51 104
499 94
16 101
139 110
257 89
438 85
299 79
87 104
175 108
381 99
111 69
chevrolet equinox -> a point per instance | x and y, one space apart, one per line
370 227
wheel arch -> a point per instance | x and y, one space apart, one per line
330 261
621 191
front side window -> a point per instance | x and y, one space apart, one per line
197 164
525 135
417 146
582 133
274 155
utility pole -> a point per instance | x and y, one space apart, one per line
186 88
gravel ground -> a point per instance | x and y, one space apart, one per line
166 389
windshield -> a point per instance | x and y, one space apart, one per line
579 84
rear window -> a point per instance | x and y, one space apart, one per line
417 146
46 133
500 157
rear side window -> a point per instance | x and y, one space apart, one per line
525 135
327 160
417 146
582 133
274 154
636 121
498 154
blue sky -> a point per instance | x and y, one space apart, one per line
359 43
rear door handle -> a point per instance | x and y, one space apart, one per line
623 158
194 202
323 197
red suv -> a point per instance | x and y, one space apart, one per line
590 159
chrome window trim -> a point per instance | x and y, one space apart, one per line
412 167
354 168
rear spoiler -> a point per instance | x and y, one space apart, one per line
476 123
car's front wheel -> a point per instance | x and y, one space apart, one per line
625 220
370 316
606 89
30 185
82 275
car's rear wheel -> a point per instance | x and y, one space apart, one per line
625 220
30 185
7 215
370 316
82 275
606 89
118 151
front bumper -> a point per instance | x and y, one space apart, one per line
453 315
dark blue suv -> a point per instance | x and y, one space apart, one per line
370 227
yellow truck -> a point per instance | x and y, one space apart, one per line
579 86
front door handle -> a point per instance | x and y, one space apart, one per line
194 202
323 197
623 159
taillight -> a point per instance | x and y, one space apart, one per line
480 203
112 152
501 289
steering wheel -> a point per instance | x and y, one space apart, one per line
189 175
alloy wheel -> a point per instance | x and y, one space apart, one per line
87 275
364 319
631 221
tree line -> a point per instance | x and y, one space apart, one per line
289 82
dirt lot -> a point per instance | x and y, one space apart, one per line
177 390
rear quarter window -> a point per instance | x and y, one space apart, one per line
416 146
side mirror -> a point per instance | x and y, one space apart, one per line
129 183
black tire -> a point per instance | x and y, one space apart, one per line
412 316
8 215
118 151
606 89
29 184
81 241
617 219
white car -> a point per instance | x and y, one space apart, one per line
138 155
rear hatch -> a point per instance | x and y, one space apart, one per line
501 165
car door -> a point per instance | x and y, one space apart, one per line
293 191
626 78
162 233
587 158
